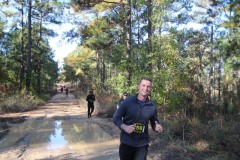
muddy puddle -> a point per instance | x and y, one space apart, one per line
59 134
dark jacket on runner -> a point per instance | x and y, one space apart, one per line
90 98
139 113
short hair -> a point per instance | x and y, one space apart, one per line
145 78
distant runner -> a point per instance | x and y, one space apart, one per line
124 96
66 90
90 99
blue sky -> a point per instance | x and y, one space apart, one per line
61 47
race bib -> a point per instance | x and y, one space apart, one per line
139 127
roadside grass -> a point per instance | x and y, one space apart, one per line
217 139
107 105
21 102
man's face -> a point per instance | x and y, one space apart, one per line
144 88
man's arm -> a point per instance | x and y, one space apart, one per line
118 116
155 124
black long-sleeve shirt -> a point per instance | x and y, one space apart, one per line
90 98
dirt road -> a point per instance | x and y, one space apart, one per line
60 130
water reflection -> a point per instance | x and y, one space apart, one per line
57 140
50 134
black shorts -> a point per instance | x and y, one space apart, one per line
127 152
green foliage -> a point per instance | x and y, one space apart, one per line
15 48
217 132
79 66
44 68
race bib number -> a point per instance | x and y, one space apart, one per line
139 127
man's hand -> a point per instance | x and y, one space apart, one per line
128 129
158 127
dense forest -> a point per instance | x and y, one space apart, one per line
190 48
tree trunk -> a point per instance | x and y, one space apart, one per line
211 89
149 34
28 74
22 50
128 44
39 61
103 77
219 76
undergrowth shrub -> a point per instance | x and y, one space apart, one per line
19 103
107 104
